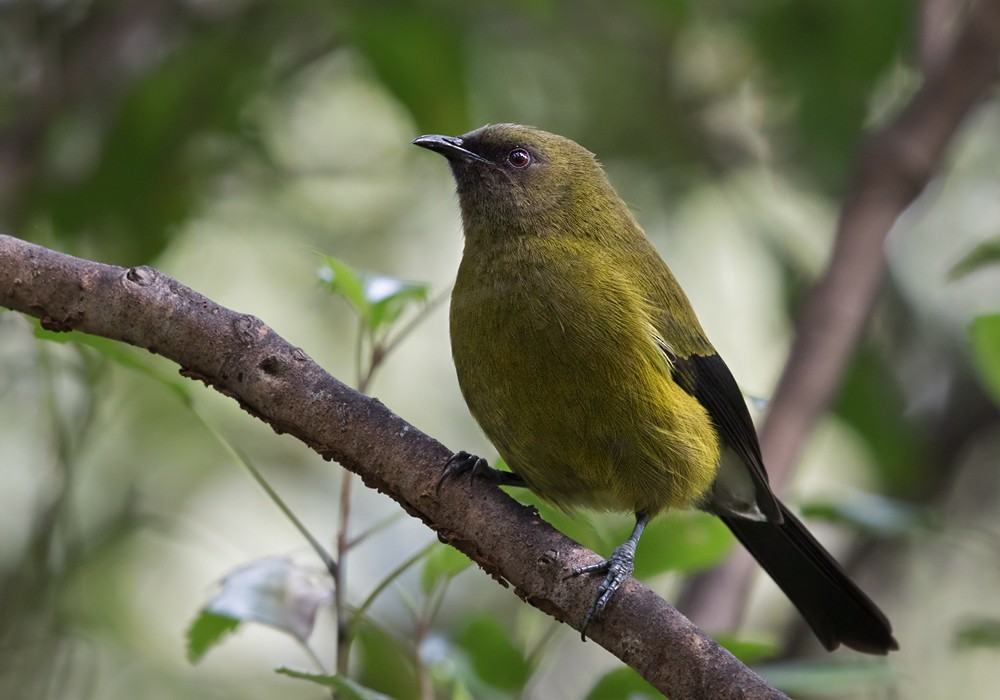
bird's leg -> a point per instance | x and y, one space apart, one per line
465 463
618 566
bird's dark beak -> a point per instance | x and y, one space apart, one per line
451 147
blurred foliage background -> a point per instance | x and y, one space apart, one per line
228 142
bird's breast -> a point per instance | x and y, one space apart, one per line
557 362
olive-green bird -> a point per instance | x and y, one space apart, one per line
582 360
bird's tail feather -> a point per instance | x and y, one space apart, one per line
837 610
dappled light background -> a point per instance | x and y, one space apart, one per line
231 143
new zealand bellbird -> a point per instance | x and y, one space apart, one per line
582 360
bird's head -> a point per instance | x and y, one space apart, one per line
514 179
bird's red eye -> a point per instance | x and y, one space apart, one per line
519 158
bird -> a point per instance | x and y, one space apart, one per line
583 362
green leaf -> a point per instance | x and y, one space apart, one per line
341 279
378 299
827 78
121 354
385 665
978 634
623 684
444 562
206 631
829 679
984 337
345 687
578 525
984 254
683 541
746 650
686 541
460 692
870 513
872 403
581 526
495 659
404 43
389 298
153 157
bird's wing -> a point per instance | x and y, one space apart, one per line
697 367
708 379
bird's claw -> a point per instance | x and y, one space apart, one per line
619 566
463 463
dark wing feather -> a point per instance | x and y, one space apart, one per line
708 379
837 610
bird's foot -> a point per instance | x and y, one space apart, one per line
618 567
464 463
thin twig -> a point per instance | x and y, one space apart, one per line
360 611
243 459
340 597
374 529
410 326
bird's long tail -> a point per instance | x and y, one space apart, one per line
837 610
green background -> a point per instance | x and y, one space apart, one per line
227 143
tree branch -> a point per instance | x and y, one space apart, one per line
241 357
893 168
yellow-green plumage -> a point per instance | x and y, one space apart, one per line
585 365
559 356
